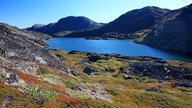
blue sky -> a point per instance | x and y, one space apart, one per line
25 13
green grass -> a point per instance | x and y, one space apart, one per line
103 66
2 77
70 83
184 89
40 92
113 91
51 75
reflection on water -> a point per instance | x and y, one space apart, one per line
125 47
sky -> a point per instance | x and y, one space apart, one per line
25 13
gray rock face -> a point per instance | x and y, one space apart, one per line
22 45
159 71
174 32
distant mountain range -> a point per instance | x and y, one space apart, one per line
153 26
126 24
66 25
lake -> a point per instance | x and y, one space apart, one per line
125 47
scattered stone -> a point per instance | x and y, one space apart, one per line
93 92
154 88
90 70
126 76
75 73
79 88
11 78
8 70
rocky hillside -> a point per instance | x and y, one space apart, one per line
97 80
66 26
27 46
130 22
174 32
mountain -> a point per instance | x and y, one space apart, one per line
174 32
130 22
153 26
66 25
136 20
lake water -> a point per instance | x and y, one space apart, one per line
125 47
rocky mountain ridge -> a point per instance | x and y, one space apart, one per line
173 32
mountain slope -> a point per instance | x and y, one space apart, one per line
136 20
174 32
127 23
21 45
66 25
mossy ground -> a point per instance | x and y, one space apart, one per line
57 87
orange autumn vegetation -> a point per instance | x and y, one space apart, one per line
29 79
17 98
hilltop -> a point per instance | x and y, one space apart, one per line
66 26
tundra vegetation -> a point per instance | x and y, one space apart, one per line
111 86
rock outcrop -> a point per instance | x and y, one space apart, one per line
27 46
159 71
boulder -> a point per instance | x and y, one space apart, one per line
89 70
94 57
79 88
11 78
75 73
154 88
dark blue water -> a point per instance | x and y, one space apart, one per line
125 47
